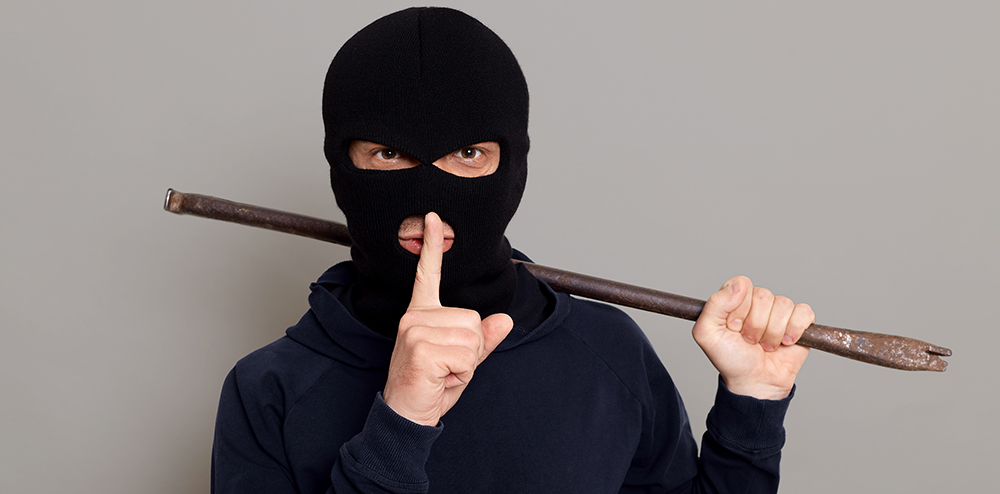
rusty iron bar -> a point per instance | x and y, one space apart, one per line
260 217
896 352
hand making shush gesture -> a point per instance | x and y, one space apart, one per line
437 348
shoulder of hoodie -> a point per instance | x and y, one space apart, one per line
283 371
607 330
613 337
279 373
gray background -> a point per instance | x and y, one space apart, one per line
843 154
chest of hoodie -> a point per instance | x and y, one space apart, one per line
546 404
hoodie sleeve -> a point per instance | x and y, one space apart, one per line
740 451
741 448
247 454
387 456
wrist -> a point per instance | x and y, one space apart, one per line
758 390
400 408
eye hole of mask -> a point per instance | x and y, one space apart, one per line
476 160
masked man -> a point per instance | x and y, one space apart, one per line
430 362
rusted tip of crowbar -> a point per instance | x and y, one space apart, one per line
936 350
897 352
935 362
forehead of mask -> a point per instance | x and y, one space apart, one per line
425 81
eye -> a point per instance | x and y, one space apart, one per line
469 153
388 154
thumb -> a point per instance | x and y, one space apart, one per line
728 307
495 329
427 285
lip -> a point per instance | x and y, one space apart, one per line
411 235
414 245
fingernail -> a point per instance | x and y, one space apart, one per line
732 288
787 340
736 324
749 339
766 347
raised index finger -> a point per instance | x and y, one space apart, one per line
428 282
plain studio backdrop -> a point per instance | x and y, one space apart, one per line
844 154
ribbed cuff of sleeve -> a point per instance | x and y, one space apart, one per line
746 424
392 450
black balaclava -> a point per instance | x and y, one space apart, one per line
427 82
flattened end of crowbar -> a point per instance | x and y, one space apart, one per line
173 201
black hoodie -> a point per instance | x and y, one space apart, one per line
578 404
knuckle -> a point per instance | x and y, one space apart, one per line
421 350
773 334
783 303
470 318
463 362
421 277
425 276
719 296
752 327
466 339
414 319
409 319
415 336
470 359
805 312
762 294
737 280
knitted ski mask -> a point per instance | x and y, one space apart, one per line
427 82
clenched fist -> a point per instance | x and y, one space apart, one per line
749 334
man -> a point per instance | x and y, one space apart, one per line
432 363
